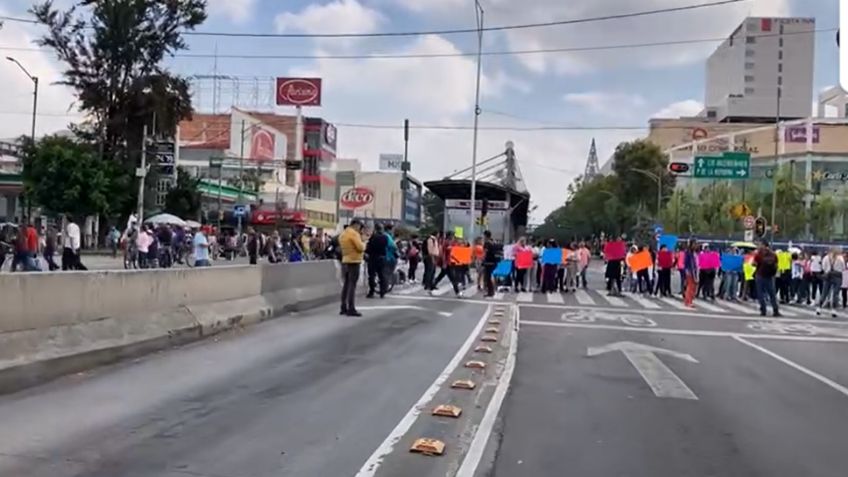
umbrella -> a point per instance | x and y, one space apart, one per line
192 224
794 250
169 219
743 245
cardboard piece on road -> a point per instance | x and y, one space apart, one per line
670 241
483 349
641 261
475 364
447 410
489 339
460 255
463 384
492 329
732 263
615 250
524 259
459 232
709 260
495 322
428 446
552 256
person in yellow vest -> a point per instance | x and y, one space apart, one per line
784 275
353 249
749 269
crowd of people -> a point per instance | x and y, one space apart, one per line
24 244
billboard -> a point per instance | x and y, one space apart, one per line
799 134
261 142
298 92
356 197
391 162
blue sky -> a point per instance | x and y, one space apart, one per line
596 88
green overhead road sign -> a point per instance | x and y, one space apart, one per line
730 165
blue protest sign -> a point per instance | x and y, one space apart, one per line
669 241
731 263
503 269
552 256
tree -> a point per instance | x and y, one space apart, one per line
680 215
250 179
66 176
114 53
592 207
714 209
434 213
184 199
634 186
791 214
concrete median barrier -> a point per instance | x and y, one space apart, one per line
59 323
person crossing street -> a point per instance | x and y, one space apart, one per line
353 249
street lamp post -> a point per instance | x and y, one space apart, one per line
478 10
657 178
34 80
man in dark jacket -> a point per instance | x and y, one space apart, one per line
375 251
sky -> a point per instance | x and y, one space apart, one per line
598 89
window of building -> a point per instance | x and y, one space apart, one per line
749 66
749 53
749 78
313 139
749 91
750 40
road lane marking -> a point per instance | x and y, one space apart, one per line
411 290
644 302
671 331
487 424
499 295
583 297
675 304
755 308
404 307
659 377
674 313
737 307
524 297
707 306
471 292
555 298
442 291
822 379
615 301
370 467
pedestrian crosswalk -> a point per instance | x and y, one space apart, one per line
599 298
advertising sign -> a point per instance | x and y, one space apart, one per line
356 197
798 134
262 145
298 91
391 162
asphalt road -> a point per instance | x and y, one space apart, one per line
313 394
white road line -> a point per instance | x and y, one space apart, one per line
755 308
670 331
736 307
555 298
644 302
443 290
822 379
583 297
525 297
471 292
487 424
370 467
675 303
411 290
499 295
708 306
724 316
403 307
615 301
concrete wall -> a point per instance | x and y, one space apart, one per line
57 323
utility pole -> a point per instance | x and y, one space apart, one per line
776 137
27 204
404 183
141 173
478 10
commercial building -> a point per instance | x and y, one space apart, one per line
378 196
11 181
255 153
761 57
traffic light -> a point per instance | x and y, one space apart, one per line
678 168
484 210
760 227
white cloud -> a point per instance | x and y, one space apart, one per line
713 22
423 6
605 103
688 107
238 11
341 16
16 100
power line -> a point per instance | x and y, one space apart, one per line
456 31
391 56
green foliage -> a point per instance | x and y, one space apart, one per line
434 213
65 176
250 179
184 199
713 209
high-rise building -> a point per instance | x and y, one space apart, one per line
762 71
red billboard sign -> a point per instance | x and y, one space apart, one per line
356 197
299 91
262 146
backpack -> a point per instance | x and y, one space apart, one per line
413 252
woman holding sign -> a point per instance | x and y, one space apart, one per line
523 262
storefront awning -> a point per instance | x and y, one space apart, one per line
211 190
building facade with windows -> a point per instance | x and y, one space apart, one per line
765 61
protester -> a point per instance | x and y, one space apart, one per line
833 264
521 273
681 266
376 252
766 262
254 245
432 253
796 278
492 254
50 240
708 276
350 242
201 249
413 257
584 255
114 240
845 284
392 254
571 267
730 281
665 261
444 260
72 240
143 242
26 248
613 276
549 270
784 275
690 268
815 275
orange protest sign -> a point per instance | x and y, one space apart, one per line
641 261
565 253
460 255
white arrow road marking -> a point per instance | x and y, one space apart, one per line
662 380
402 307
